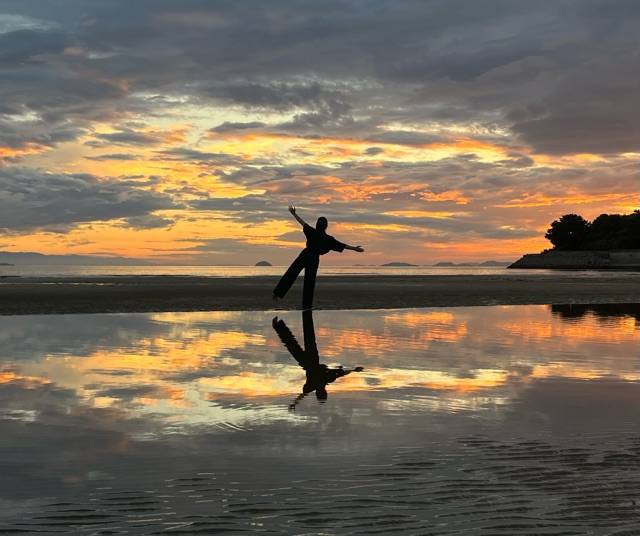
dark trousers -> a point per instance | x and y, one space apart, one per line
309 262
308 357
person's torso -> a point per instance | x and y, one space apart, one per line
318 242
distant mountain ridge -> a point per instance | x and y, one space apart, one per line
25 257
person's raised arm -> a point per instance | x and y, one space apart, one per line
292 209
359 249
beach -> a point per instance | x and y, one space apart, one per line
50 295
398 403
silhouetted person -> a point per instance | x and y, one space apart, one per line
318 375
318 243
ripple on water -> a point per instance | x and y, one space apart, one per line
474 485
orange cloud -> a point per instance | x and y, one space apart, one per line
334 147
8 153
451 195
577 198
27 381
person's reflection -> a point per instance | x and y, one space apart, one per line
318 374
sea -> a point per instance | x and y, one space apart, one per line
80 271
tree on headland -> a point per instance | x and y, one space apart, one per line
608 231
569 232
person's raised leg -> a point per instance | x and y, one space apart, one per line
286 281
310 271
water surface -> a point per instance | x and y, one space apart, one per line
476 420
79 271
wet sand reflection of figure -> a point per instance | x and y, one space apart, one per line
318 374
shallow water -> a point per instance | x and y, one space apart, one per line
476 420
10 273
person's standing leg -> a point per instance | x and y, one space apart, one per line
290 275
310 271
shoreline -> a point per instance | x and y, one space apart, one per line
127 294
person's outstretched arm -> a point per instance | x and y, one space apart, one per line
338 246
292 209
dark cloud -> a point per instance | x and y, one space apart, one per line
55 93
282 96
32 199
194 155
401 137
317 105
131 392
19 135
229 126
594 110
28 45
433 60
126 137
112 156
249 208
148 221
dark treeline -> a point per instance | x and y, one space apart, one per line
602 311
608 231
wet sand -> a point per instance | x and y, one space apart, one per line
173 293
470 421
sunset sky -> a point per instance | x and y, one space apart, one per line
177 131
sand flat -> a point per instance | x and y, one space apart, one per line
175 293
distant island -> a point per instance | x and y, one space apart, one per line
263 263
448 264
610 241
6 264
495 263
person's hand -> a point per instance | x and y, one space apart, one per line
292 209
359 249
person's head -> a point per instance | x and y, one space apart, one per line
322 224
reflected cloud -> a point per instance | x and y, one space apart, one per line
185 370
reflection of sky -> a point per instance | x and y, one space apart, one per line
101 389
99 404
229 368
